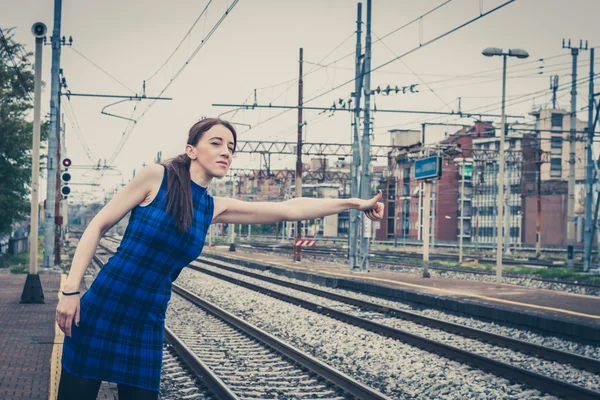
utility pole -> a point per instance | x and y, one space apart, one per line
231 227
573 120
507 211
500 200
354 186
299 152
433 209
538 217
365 179
589 187
462 210
32 291
426 220
57 214
53 162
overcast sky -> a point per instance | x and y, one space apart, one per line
256 47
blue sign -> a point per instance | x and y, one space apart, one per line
428 168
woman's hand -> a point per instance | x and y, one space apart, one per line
373 208
66 311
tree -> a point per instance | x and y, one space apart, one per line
16 130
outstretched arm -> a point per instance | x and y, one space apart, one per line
242 212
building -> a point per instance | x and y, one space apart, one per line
554 126
485 184
403 194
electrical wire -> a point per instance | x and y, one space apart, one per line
414 73
181 42
131 126
414 49
70 113
101 69
350 54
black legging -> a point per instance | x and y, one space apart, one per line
72 387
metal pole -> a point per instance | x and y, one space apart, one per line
589 192
354 185
35 159
571 198
33 291
538 217
433 212
462 212
500 200
365 179
232 226
52 162
507 213
425 233
57 214
299 152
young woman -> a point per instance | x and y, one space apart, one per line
115 332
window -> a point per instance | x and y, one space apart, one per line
557 120
556 146
555 167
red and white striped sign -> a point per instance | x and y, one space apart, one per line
304 243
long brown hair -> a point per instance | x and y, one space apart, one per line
179 192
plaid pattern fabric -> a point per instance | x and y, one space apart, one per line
121 330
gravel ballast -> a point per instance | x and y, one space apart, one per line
392 367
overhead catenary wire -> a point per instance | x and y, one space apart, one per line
70 113
101 69
398 57
414 49
126 134
494 106
415 74
181 42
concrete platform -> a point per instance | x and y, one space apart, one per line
574 315
27 339
31 342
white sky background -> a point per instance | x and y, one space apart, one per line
257 46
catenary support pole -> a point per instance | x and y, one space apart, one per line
365 179
52 160
299 151
354 185
589 187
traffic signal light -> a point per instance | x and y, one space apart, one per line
65 176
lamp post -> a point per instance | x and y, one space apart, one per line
490 52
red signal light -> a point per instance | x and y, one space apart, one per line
66 162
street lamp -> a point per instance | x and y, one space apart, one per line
490 52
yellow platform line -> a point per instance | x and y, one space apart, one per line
56 351
450 291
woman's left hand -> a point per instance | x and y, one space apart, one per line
373 208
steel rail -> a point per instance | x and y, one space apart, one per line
541 382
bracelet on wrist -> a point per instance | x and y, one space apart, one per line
70 293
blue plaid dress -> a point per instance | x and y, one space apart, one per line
121 330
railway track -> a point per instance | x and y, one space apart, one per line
426 337
430 341
399 259
236 360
